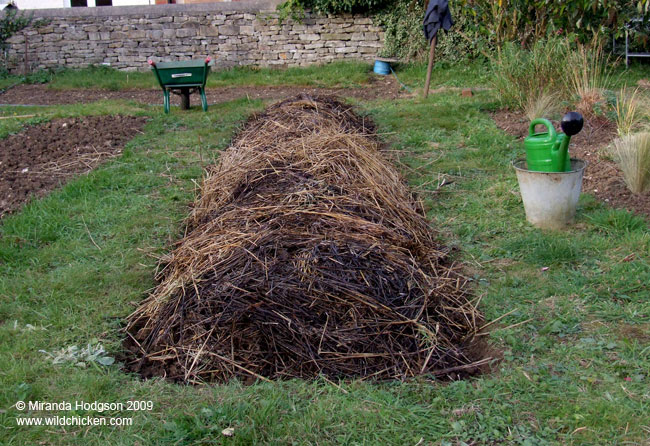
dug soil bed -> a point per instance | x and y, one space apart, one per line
385 87
42 158
602 177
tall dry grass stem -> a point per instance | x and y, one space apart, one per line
543 105
527 78
631 111
589 68
632 153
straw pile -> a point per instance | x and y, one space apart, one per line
305 255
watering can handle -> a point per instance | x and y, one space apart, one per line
552 134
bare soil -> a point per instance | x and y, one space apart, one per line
602 178
41 158
380 87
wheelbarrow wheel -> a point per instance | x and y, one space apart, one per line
185 99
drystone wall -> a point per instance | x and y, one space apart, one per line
236 33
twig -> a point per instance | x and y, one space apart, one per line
89 234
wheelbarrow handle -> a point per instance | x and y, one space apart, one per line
151 62
207 60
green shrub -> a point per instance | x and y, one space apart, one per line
335 6
405 39
482 25
527 21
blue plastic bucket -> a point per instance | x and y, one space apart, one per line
382 67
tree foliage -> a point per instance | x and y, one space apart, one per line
482 24
528 20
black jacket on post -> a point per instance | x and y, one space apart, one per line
437 16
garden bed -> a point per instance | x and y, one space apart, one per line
603 178
43 157
305 255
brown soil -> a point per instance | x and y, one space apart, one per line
43 157
602 178
380 87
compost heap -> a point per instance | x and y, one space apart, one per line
306 254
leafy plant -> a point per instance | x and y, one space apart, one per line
335 6
632 153
527 21
80 356
403 27
404 37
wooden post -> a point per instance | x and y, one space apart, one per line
432 53
26 60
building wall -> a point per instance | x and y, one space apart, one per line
133 2
233 33
48 4
34 4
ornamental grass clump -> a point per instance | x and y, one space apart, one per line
590 75
522 76
632 153
631 111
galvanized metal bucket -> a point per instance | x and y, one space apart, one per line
550 198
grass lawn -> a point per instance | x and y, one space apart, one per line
331 75
575 344
336 74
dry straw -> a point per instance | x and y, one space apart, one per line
632 153
589 74
631 111
306 254
543 105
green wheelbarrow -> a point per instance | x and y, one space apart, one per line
182 78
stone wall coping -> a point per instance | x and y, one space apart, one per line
158 10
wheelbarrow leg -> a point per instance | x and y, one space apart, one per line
166 93
204 100
185 98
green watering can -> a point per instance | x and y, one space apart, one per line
549 151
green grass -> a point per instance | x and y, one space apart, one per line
574 371
638 69
9 81
336 74
444 74
331 75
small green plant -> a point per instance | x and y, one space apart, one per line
80 357
632 153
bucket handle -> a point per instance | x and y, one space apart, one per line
552 134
